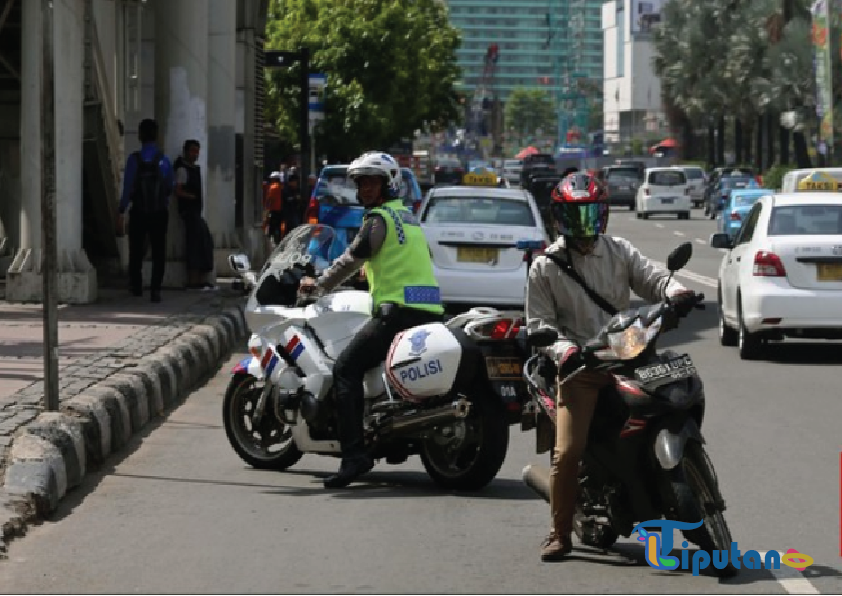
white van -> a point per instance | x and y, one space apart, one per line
664 191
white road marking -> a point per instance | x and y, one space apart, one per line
696 277
657 225
679 233
791 580
700 241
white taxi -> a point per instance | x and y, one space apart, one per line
473 232
782 274
812 179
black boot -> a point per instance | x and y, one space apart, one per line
351 468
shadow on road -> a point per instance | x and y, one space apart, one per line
401 484
796 353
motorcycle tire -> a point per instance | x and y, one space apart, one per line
487 420
252 449
694 486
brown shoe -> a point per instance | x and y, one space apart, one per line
555 548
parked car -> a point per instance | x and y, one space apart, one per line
782 274
719 195
473 234
622 183
697 180
664 191
736 209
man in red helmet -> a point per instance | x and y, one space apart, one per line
612 268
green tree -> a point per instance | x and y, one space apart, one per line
390 66
530 109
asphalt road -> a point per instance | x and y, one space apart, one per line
181 513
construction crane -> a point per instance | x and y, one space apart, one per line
482 104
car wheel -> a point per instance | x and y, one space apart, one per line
728 336
712 215
685 215
749 344
644 215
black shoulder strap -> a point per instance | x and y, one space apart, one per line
569 270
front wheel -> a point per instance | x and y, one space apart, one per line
696 493
266 445
468 453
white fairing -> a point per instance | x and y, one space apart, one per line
423 361
373 382
338 318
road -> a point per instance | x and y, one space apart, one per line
181 513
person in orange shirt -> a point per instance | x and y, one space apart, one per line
274 205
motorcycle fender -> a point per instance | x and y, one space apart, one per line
669 446
250 366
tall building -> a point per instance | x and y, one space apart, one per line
541 43
632 108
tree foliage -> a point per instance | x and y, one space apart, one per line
390 66
530 109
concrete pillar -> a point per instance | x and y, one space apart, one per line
77 278
181 92
220 193
246 56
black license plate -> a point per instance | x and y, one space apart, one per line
679 368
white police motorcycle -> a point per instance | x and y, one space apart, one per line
432 396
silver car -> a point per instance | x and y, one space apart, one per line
697 181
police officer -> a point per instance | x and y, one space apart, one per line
392 249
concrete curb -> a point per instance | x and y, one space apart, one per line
52 454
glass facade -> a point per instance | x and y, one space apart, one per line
527 52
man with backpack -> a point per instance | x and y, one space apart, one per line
147 186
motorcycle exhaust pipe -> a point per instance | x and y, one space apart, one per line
538 479
413 422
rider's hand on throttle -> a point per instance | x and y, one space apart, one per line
572 359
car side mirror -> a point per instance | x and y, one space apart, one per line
238 263
721 241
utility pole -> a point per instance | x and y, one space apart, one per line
49 247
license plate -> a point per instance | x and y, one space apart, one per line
469 254
504 368
667 201
829 271
679 368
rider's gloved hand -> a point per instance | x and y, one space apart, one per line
683 301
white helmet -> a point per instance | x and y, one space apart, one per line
376 163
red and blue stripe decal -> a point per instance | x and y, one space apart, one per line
294 348
269 361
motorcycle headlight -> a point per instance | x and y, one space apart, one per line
630 342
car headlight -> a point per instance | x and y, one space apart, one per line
630 342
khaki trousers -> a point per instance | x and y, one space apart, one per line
576 402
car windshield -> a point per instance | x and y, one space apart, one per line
745 200
806 220
622 175
734 182
694 173
667 178
478 210
336 184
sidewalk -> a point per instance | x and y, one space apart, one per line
122 361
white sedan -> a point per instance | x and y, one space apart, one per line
782 274
473 233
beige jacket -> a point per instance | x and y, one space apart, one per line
614 270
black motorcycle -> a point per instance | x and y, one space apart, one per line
645 457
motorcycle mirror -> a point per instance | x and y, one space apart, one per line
238 263
542 338
679 257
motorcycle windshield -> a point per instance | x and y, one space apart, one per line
309 244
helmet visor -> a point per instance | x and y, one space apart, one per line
580 220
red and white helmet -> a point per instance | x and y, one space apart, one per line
580 206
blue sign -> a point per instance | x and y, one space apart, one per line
318 82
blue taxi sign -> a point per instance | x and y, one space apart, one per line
818 181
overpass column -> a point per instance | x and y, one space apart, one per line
222 113
77 278
181 93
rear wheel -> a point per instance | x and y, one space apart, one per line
749 344
468 453
266 445
728 336
695 490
